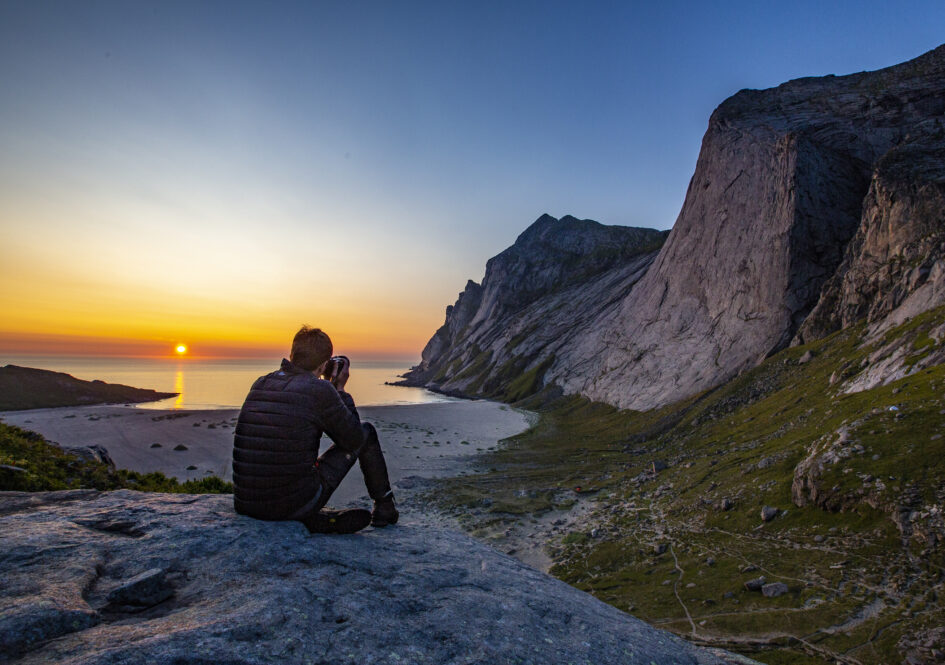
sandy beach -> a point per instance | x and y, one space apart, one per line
425 440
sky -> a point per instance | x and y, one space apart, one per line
218 173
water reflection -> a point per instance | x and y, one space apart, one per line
179 389
216 384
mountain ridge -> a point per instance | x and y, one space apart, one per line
781 225
561 273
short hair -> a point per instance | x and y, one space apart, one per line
310 348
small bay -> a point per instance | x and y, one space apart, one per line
220 383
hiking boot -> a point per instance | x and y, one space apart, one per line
384 513
338 521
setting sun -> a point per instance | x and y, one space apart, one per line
181 349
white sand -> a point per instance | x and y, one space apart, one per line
428 440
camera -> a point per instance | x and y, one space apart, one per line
336 365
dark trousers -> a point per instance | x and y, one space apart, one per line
334 464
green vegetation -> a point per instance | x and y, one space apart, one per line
864 562
29 463
528 383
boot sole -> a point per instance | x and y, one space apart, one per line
341 524
380 524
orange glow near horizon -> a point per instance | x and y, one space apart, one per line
137 292
60 345
58 306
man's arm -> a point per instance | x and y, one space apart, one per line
338 417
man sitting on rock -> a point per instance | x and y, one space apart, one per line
277 472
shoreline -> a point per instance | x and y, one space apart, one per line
420 441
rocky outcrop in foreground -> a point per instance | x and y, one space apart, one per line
129 577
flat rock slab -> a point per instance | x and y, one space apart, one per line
248 592
774 589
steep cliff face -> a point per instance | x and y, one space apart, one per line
785 179
777 194
557 280
896 256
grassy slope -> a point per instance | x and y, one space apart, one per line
742 442
40 466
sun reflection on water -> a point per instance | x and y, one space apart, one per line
179 389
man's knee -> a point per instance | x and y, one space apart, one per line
372 444
334 465
371 439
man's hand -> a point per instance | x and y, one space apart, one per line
341 378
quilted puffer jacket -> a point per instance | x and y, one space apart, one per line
275 448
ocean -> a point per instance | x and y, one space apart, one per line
221 383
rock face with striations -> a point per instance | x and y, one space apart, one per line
897 256
128 577
813 205
557 281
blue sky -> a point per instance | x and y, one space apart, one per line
226 149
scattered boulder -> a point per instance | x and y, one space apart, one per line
659 465
92 454
923 646
768 461
726 504
768 513
755 584
109 524
181 446
774 589
806 358
142 591
806 487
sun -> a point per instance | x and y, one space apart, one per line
181 349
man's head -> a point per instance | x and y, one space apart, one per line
310 348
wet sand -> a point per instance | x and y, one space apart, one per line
426 440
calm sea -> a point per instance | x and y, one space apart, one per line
220 383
